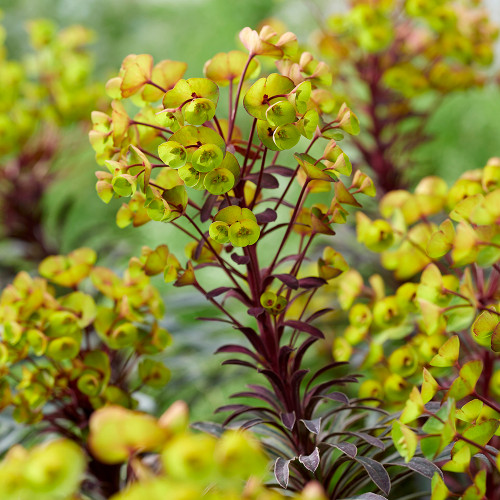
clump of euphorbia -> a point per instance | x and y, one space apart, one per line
48 471
51 89
65 353
434 343
164 458
394 61
181 162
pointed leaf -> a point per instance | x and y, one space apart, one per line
288 420
310 462
420 465
305 327
337 396
312 425
218 291
347 448
369 496
311 282
281 471
289 280
268 215
240 259
377 473
378 443
208 427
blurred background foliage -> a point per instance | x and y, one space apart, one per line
465 130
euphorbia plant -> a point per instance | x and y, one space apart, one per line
433 343
52 90
394 60
66 353
182 163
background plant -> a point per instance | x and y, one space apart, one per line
52 89
394 61
66 353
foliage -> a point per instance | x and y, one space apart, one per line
395 60
66 351
196 150
48 471
52 90
431 347
76 343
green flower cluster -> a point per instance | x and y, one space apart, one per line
51 87
438 45
48 471
431 348
196 149
394 60
186 465
59 346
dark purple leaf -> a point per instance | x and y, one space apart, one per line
282 472
421 465
221 320
199 247
282 202
274 378
267 181
251 423
206 209
252 337
256 311
369 439
289 257
337 396
288 420
377 473
217 291
234 348
256 395
240 259
233 201
238 295
258 411
319 313
310 462
319 389
297 378
268 215
311 282
289 280
265 394
433 406
243 152
208 427
347 448
241 408
305 327
329 366
284 356
239 362
369 496
280 170
313 426
234 407
308 342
